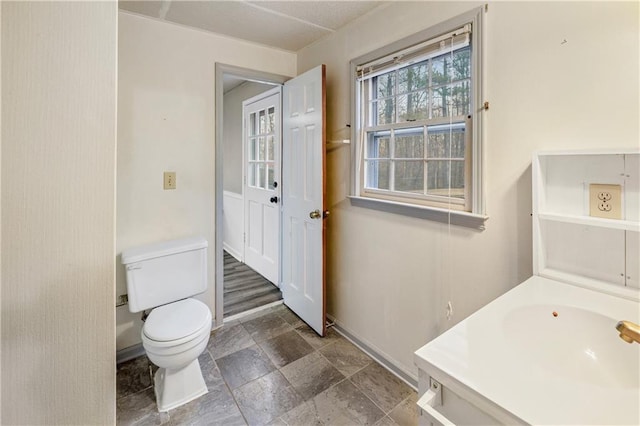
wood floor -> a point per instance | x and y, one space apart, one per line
244 288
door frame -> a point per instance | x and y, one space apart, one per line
250 75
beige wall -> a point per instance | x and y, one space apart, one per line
166 122
232 132
389 276
58 193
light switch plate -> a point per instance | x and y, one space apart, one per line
605 200
169 180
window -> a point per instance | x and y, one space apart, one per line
260 140
417 113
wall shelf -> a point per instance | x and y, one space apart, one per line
569 244
626 225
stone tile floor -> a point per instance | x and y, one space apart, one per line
271 368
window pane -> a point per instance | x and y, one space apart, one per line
457 179
252 149
384 111
271 120
263 122
451 100
270 146
261 148
270 176
446 142
457 143
378 145
252 124
461 66
437 103
409 176
413 106
438 146
260 181
410 145
385 85
377 174
413 78
251 174
440 72
438 178
460 98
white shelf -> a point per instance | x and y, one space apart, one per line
569 245
625 225
572 153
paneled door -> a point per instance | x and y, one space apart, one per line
303 201
261 136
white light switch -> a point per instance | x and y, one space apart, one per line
169 180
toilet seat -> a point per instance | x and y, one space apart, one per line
177 323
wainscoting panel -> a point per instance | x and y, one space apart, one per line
233 224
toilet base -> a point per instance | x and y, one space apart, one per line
174 388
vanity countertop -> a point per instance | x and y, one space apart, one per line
545 352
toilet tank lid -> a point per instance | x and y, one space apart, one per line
138 254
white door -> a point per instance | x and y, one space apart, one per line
303 204
261 137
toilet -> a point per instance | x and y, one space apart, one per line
163 277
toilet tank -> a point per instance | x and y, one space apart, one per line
162 273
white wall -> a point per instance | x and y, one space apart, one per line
58 212
232 132
389 276
166 122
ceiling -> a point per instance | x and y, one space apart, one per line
287 25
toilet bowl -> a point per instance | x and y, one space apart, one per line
174 336
163 277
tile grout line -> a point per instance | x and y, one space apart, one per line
235 401
384 413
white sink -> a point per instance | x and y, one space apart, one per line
515 360
574 343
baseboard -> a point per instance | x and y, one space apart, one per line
383 360
233 252
129 353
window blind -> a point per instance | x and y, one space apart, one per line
436 46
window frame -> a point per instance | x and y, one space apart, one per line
474 186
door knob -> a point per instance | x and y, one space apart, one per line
273 199
315 214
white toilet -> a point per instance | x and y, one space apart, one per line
163 277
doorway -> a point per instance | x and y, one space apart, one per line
303 204
250 261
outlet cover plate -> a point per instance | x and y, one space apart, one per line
605 200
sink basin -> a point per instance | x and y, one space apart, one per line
545 352
574 343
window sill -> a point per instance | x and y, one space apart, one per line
465 219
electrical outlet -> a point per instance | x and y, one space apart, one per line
169 180
605 200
